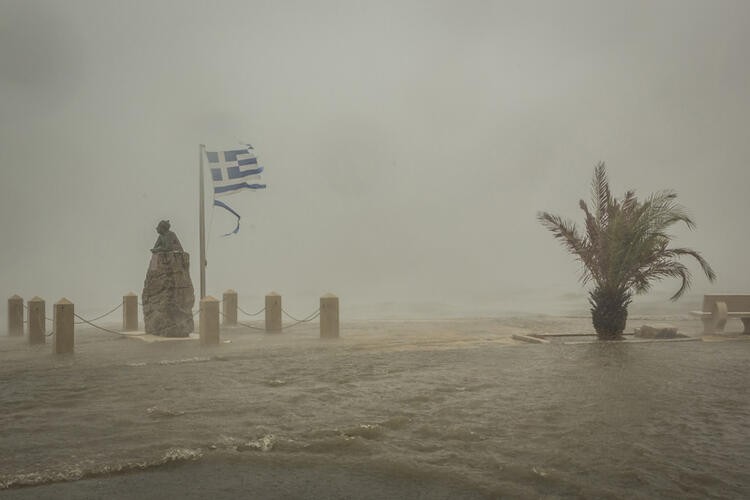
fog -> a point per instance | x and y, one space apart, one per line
407 145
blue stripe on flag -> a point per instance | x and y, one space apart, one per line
236 173
216 174
212 156
247 161
237 187
232 155
227 207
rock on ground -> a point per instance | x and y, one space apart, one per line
652 332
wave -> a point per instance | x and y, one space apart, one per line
352 440
195 359
156 412
78 472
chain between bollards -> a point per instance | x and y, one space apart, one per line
83 320
307 319
249 314
98 317
244 324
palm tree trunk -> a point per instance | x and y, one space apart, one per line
609 312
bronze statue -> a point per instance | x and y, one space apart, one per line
168 294
167 240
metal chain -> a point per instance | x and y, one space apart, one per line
107 329
295 319
84 321
306 320
245 324
102 316
249 314
251 327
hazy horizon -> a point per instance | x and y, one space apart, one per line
408 146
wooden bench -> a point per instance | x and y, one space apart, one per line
717 308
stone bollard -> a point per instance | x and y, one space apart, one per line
329 316
64 330
15 316
229 305
37 321
130 312
209 321
273 312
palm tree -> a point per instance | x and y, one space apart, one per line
624 249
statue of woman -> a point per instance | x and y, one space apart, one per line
167 240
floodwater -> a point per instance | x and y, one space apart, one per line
393 409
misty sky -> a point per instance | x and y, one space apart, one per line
408 145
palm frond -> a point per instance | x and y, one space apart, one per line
592 226
625 247
664 269
563 230
567 232
705 266
600 193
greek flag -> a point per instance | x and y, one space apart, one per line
234 171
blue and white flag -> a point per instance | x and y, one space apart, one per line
232 172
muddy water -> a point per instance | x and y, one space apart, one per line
456 406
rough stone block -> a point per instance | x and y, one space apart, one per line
168 295
656 332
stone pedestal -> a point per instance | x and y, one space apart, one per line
229 306
15 316
273 312
168 295
329 316
37 321
64 328
209 321
130 312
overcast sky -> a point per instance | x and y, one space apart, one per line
408 145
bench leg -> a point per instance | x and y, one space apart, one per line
720 316
746 324
719 325
708 325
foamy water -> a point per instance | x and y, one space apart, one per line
451 401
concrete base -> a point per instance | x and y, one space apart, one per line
37 321
209 321
229 308
15 316
64 327
329 316
273 312
130 312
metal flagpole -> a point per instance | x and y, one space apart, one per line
202 219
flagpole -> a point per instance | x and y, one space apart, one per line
202 219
